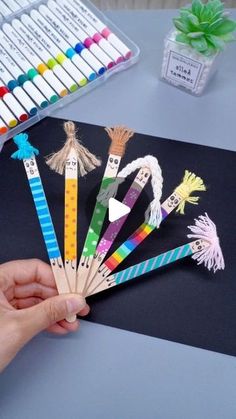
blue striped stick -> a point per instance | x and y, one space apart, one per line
152 264
27 153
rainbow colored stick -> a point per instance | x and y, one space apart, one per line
148 167
205 249
177 199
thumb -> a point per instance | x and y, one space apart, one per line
39 317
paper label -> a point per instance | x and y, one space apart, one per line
183 70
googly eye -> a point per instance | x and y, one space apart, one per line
199 247
116 161
172 198
146 175
197 242
176 201
111 160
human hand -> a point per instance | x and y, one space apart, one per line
29 304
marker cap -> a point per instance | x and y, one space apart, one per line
63 76
7 115
12 84
15 107
22 78
92 61
83 67
25 100
100 54
79 47
35 94
3 91
55 83
3 127
44 87
42 68
32 73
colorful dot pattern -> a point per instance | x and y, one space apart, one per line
70 244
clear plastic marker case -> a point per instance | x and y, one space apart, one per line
63 101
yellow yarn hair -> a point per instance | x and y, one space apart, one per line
190 183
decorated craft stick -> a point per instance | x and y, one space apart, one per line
119 137
27 153
177 199
205 249
73 160
148 166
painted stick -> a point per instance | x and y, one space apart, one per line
177 199
73 160
27 153
148 166
119 136
205 249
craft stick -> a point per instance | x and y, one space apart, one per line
177 199
74 160
204 249
149 168
27 153
119 137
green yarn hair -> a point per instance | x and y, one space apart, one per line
205 26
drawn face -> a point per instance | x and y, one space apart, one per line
198 245
113 164
142 176
31 168
71 167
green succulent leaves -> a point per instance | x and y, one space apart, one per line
205 26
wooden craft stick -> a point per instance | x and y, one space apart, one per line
119 137
177 199
204 249
149 167
73 160
27 153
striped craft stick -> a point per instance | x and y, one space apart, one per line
180 195
205 249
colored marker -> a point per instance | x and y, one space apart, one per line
72 40
17 91
7 115
30 73
35 60
18 78
3 127
63 45
47 59
103 29
81 35
95 35
56 53
5 11
12 103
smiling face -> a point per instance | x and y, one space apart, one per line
71 165
172 202
199 245
142 177
31 168
112 165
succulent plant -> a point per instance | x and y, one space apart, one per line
205 26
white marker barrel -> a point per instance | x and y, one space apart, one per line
24 3
13 5
44 56
103 29
97 37
17 91
27 85
95 64
33 58
15 107
64 45
5 11
7 115
87 41
26 67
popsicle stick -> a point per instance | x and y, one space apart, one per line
119 136
177 199
205 249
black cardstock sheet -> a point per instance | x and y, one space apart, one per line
182 302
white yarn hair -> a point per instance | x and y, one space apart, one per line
153 214
211 256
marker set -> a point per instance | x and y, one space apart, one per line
53 51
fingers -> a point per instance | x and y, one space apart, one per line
21 272
34 289
85 311
45 314
63 327
22 303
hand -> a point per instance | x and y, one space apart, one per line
29 303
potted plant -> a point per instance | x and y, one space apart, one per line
192 48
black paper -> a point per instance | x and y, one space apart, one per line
182 302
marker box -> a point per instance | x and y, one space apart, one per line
85 52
